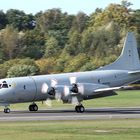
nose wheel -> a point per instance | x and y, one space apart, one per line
6 110
33 107
79 109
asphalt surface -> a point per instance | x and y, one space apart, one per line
63 114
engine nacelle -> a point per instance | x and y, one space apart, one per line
64 93
61 92
81 91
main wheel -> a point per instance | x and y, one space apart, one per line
77 109
33 107
30 107
80 109
7 110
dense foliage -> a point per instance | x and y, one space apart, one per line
54 42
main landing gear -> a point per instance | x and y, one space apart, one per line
6 110
79 108
33 107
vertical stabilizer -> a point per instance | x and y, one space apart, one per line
129 58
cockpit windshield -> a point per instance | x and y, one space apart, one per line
3 84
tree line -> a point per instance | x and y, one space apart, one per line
54 41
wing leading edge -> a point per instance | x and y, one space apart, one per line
134 72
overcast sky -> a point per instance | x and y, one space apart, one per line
69 6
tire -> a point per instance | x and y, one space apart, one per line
79 109
6 110
33 107
30 107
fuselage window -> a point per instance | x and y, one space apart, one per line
24 87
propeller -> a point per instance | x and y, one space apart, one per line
53 82
66 91
44 88
73 90
76 87
51 91
74 100
72 80
59 90
63 92
58 96
48 102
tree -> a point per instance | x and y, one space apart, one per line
9 38
87 40
49 20
90 65
46 66
52 47
18 19
3 20
32 44
112 13
54 23
126 3
75 63
4 68
80 21
73 45
135 21
2 54
22 70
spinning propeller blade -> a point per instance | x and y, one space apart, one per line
48 102
44 88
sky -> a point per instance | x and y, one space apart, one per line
69 6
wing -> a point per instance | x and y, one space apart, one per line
134 72
108 89
104 91
90 91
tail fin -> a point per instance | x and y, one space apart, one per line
129 58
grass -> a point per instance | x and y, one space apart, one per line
126 98
71 130
115 129
123 99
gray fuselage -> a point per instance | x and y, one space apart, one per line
29 89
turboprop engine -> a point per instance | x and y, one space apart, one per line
84 89
72 93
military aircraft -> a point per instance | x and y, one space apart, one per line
74 87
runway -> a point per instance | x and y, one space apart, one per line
63 114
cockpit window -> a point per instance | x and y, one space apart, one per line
4 84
